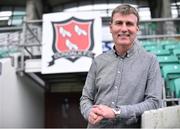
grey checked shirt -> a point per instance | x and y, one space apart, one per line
132 83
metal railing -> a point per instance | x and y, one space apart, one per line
160 28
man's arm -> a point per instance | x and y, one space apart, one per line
88 93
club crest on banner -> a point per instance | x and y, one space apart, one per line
72 39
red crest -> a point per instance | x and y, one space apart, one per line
72 39
73 35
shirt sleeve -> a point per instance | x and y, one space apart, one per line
153 95
87 98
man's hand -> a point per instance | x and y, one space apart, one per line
95 115
105 111
99 112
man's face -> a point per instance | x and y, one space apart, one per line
124 29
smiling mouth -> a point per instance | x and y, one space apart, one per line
124 35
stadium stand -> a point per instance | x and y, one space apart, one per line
168 55
176 52
177 87
171 72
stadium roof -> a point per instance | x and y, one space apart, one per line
63 2
54 3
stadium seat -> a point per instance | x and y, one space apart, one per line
166 60
150 48
161 52
177 87
163 60
176 52
170 72
171 47
148 43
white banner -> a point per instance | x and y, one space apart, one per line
70 41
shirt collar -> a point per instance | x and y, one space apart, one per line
129 53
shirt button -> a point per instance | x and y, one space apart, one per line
119 72
113 103
115 87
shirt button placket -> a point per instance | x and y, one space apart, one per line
116 84
113 103
116 87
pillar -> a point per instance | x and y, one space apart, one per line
33 9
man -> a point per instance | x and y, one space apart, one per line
124 82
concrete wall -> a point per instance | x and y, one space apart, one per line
21 100
168 117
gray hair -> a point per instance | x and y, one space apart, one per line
125 9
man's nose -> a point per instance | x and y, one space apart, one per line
124 27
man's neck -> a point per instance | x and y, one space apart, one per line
122 50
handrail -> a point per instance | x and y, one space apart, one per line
158 36
10 29
160 20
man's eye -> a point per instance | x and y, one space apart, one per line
118 23
129 24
